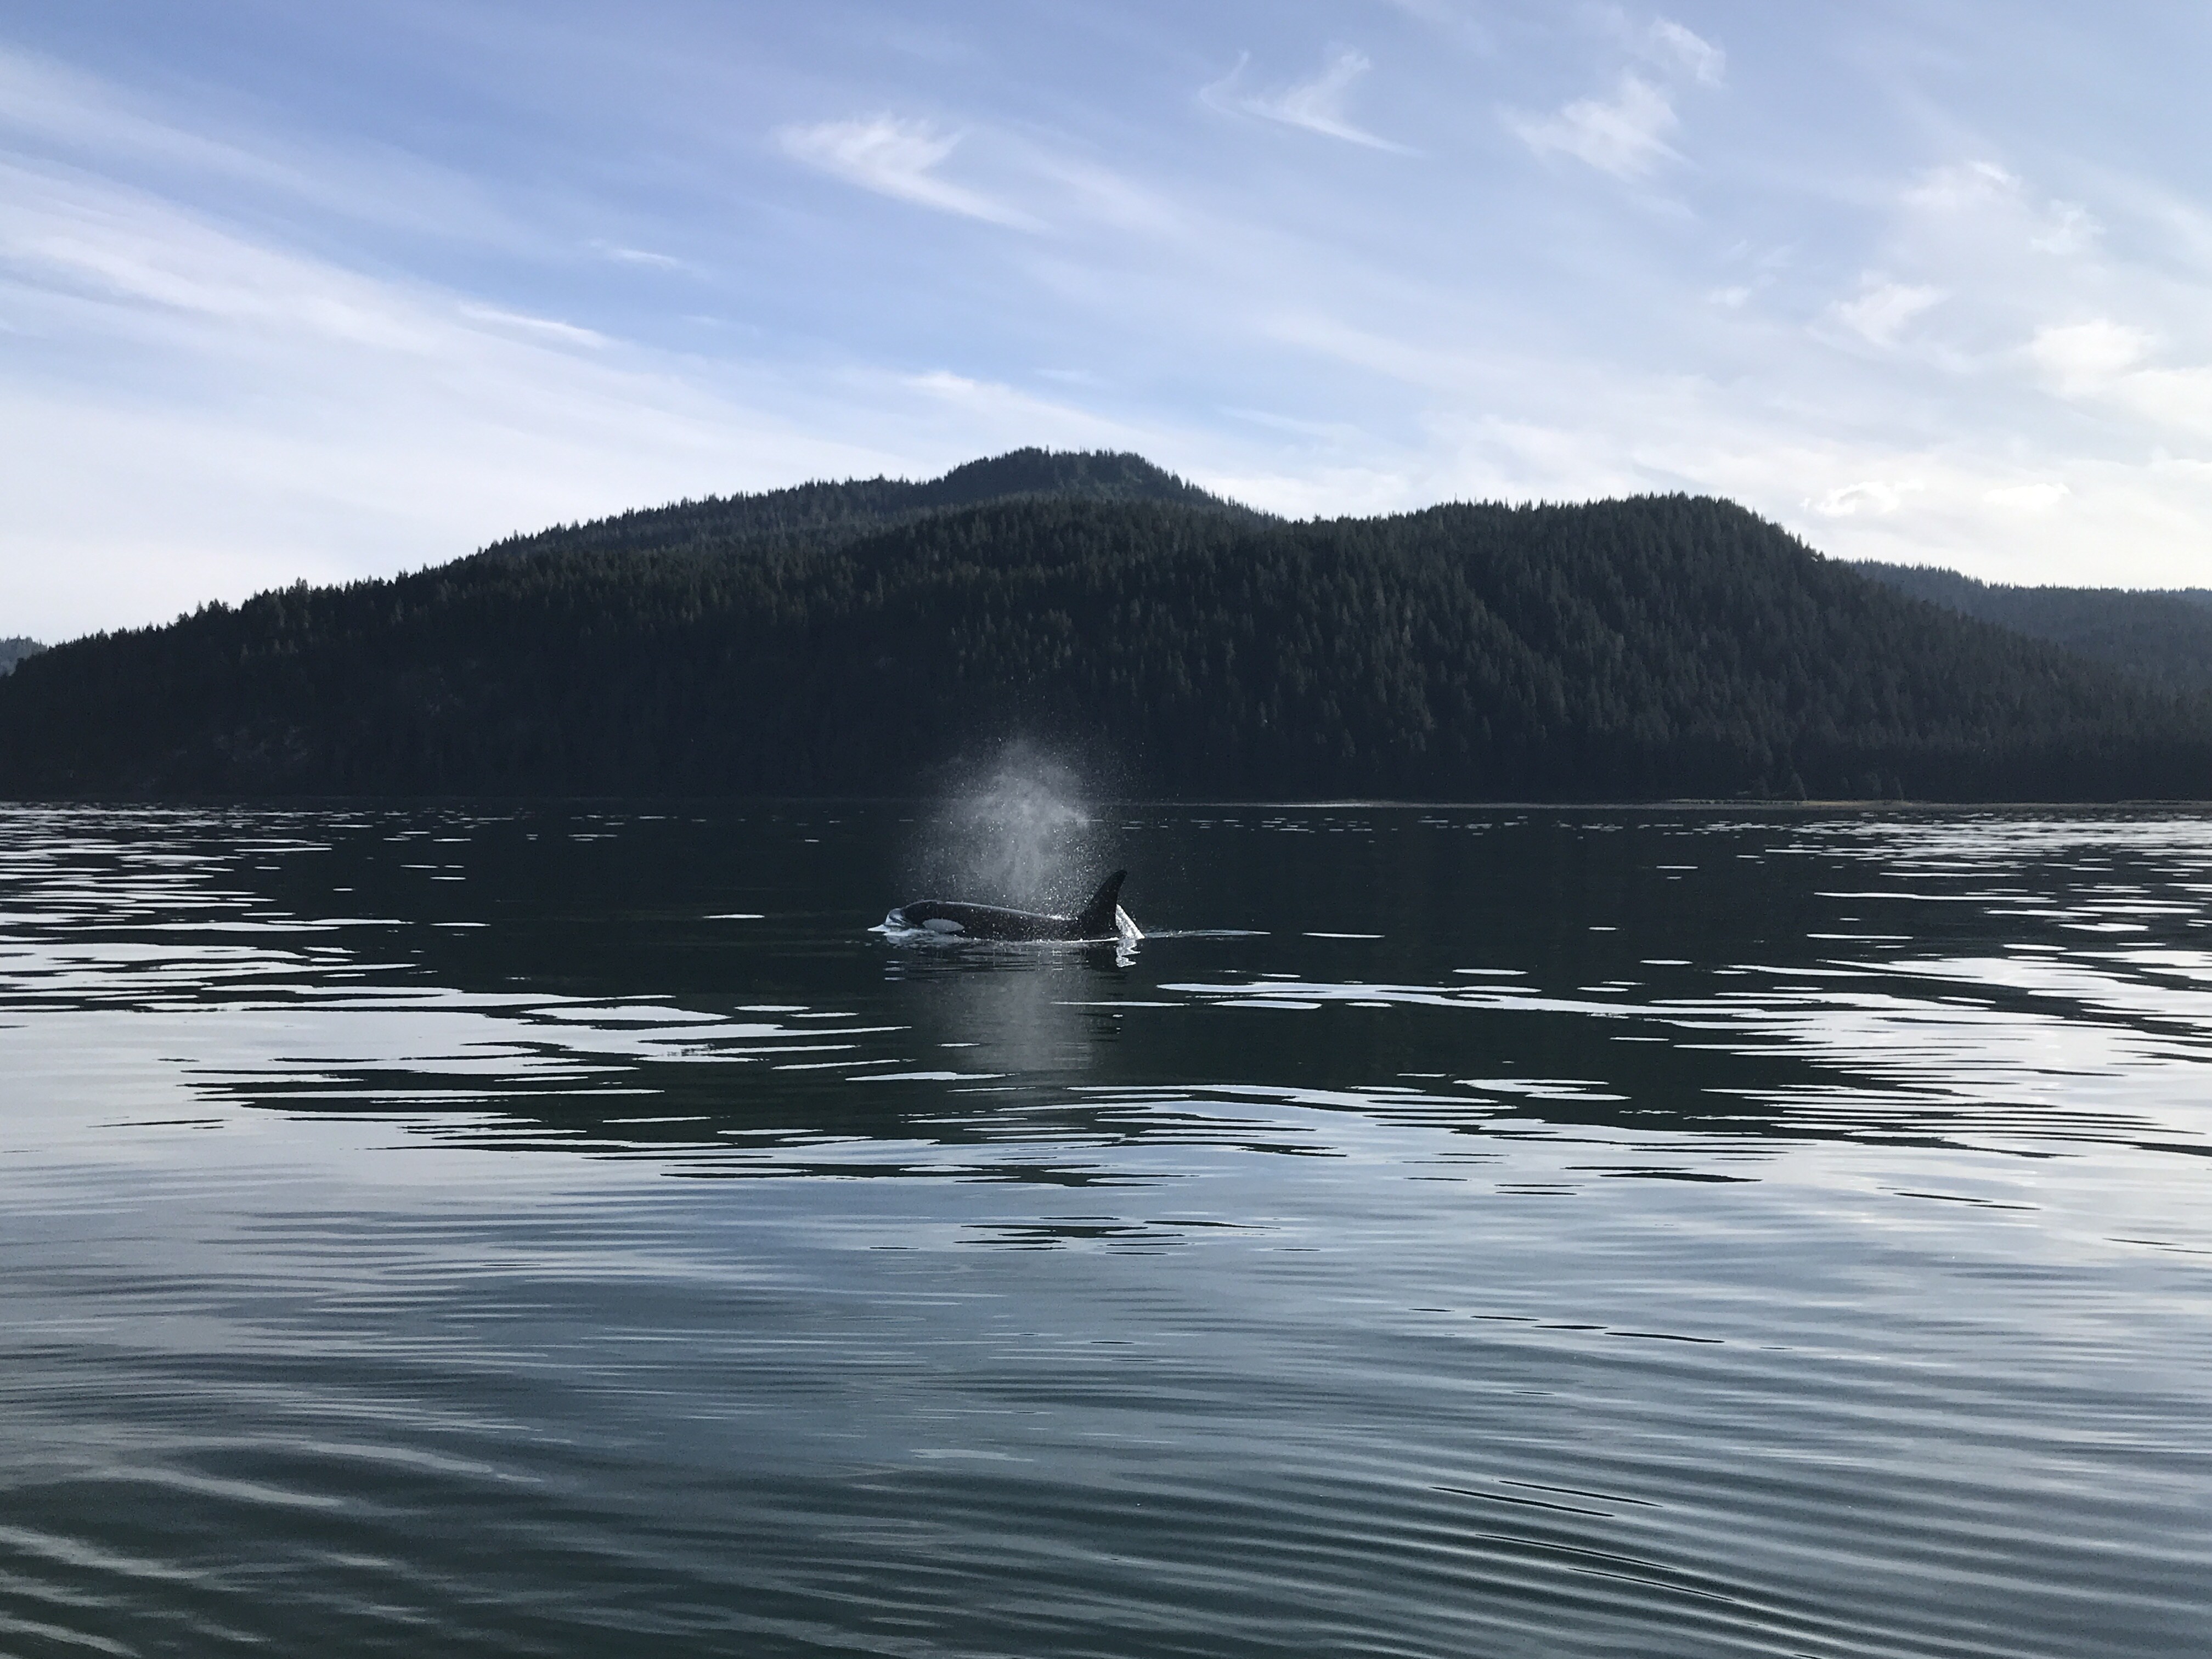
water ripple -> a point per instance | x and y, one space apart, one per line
1452 1231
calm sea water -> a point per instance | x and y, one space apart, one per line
1454 1232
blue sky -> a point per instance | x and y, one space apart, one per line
293 290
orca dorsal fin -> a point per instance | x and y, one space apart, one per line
1096 919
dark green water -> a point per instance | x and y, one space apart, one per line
557 1232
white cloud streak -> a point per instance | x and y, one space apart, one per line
1871 495
1318 105
49 107
1624 134
2105 361
2080 358
896 158
1884 309
547 328
1983 190
639 256
238 415
1672 44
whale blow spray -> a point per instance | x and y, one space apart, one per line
1017 835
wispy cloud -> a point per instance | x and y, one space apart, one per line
545 328
1961 185
639 256
1318 105
50 108
2069 228
896 158
115 253
2107 362
242 414
1869 496
1670 44
2037 497
2085 358
1624 134
2001 199
1884 309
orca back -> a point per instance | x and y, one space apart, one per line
1101 919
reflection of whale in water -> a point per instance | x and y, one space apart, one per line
1101 918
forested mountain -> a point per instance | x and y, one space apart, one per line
13 650
851 638
817 515
2164 637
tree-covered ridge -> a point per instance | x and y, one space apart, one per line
13 650
812 514
2161 636
1654 648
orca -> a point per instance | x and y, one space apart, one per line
1101 918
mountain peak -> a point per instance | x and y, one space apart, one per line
1088 474
857 507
